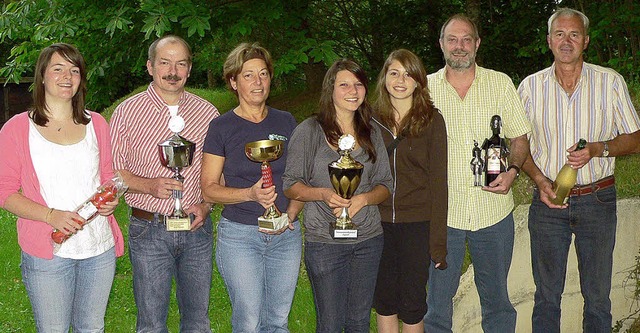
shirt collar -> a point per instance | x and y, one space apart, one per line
551 74
157 100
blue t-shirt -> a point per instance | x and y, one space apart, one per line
227 136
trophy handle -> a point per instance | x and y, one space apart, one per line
267 175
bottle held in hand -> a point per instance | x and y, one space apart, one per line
495 152
107 192
566 179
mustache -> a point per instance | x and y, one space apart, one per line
172 77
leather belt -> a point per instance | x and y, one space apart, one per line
603 183
143 214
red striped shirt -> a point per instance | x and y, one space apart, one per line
139 124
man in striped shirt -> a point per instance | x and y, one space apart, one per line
468 96
568 101
158 255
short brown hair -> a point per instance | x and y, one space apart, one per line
72 55
241 54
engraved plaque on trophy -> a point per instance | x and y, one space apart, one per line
177 153
265 151
345 176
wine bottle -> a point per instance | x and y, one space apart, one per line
566 179
493 152
107 192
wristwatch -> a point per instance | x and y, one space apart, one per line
605 151
513 166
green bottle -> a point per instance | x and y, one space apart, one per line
566 180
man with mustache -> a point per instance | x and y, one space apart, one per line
481 218
158 253
569 101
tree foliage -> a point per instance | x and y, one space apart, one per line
304 36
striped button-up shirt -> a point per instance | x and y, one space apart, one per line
139 124
598 110
468 120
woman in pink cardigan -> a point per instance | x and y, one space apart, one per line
54 156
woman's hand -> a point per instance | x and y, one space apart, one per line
67 222
264 196
333 200
108 208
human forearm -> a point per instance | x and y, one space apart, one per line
623 144
217 193
26 208
161 187
519 151
532 170
304 193
65 221
294 208
378 194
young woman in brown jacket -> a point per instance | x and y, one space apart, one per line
414 217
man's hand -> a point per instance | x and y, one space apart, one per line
579 158
200 213
502 184
546 194
162 187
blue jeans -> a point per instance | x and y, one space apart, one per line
260 272
343 280
158 256
66 292
592 219
491 250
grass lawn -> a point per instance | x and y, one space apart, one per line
15 310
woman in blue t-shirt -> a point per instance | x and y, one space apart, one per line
259 266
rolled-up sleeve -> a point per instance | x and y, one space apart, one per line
11 161
298 161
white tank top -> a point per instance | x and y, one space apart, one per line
69 175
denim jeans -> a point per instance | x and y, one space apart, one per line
66 292
491 250
592 219
343 280
260 272
158 256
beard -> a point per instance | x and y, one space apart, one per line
459 63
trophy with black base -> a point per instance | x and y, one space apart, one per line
345 176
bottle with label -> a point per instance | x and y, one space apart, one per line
107 192
566 179
494 152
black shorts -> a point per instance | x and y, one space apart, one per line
403 272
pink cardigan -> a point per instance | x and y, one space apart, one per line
17 173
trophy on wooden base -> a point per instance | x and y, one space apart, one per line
265 151
345 176
177 153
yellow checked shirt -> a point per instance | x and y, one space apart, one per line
492 93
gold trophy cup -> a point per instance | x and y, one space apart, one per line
175 154
345 176
265 151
